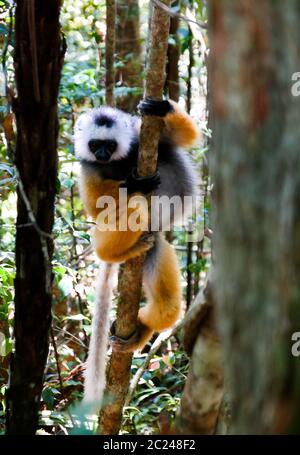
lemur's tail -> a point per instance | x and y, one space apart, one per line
94 383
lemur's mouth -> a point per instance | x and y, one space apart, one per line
102 155
102 149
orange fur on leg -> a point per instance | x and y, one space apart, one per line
164 298
121 246
163 290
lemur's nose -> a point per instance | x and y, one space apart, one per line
102 154
100 149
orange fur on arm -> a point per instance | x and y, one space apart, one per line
114 245
92 187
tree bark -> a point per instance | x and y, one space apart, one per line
38 61
172 80
190 72
110 46
256 174
204 388
131 282
128 50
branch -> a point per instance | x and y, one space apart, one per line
208 233
31 216
196 31
179 16
61 385
195 316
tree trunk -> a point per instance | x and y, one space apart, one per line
203 392
38 60
190 72
110 46
256 174
131 281
128 49
119 366
172 80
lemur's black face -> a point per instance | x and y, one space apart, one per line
102 149
104 134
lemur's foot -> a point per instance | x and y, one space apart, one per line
149 106
136 184
124 344
135 341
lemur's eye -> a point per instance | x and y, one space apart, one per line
94 144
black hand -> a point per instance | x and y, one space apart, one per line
149 106
144 185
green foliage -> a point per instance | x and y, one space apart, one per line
159 391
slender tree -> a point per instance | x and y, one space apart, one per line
256 175
190 72
110 47
38 61
128 51
172 79
131 281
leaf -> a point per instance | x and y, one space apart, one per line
3 30
66 285
183 32
8 127
6 347
57 186
82 235
48 396
60 269
5 181
172 41
68 183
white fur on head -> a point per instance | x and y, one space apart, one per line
123 130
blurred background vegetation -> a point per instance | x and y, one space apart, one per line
83 86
